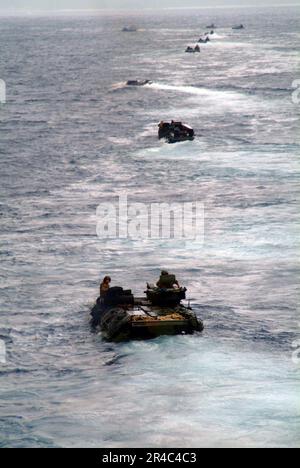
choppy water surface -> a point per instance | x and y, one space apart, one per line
72 135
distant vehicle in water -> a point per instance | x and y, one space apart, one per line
120 316
175 132
130 29
138 82
238 27
204 41
193 50
211 33
211 26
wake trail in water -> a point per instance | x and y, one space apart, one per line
201 92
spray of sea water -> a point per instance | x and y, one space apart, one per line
73 135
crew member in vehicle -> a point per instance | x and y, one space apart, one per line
104 287
167 281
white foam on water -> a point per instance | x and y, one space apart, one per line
229 45
221 397
229 97
120 141
218 102
120 85
183 151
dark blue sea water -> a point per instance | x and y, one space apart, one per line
71 135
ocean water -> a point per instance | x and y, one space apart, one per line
71 136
